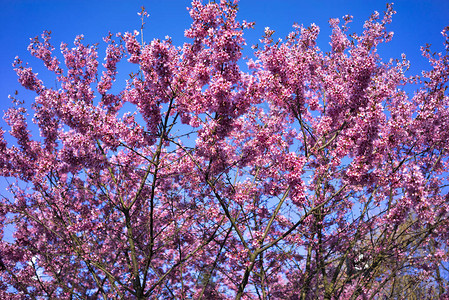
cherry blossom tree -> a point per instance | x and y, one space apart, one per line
306 175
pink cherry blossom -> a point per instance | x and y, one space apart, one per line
311 176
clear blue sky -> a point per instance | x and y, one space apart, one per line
417 22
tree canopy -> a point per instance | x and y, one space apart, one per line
305 175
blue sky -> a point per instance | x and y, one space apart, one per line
417 22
